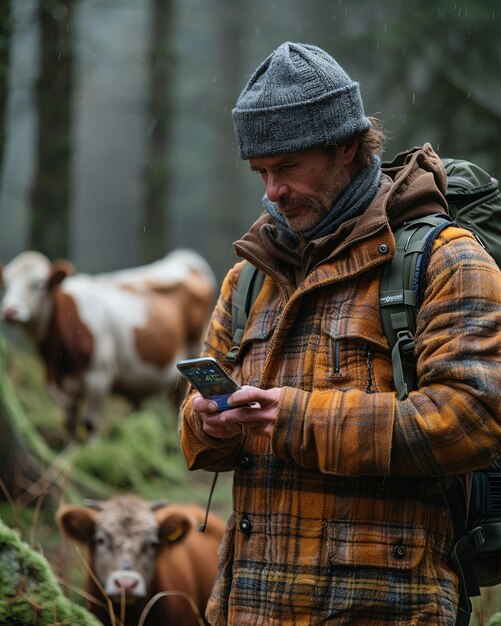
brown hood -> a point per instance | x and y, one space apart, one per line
412 185
419 182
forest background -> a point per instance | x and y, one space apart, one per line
116 138
117 146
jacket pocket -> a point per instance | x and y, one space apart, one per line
376 544
347 359
255 343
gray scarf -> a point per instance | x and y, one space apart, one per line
351 203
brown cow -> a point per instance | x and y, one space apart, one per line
118 331
137 550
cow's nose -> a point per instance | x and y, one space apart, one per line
130 583
127 583
10 313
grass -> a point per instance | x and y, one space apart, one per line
137 452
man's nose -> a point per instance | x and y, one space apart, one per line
276 189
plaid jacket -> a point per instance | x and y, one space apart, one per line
340 518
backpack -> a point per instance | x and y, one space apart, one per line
474 500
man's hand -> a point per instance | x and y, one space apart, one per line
259 419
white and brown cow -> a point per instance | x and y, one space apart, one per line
119 331
146 554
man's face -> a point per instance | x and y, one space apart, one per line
304 185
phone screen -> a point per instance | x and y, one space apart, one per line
210 380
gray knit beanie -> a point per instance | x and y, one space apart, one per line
299 97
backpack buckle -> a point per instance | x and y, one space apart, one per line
405 341
402 357
231 355
476 537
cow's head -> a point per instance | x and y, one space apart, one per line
26 280
124 536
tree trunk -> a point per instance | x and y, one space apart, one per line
51 190
227 184
155 214
5 28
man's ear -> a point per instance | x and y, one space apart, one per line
348 149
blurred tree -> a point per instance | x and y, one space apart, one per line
226 186
433 69
155 210
5 26
51 192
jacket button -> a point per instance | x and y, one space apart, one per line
244 462
399 551
383 248
245 525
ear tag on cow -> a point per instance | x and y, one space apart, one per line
175 534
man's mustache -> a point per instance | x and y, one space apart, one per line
293 203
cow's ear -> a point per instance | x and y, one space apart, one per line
59 270
174 528
77 522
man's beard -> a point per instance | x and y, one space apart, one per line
316 208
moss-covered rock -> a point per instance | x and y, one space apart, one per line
29 591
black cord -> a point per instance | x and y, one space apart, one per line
203 526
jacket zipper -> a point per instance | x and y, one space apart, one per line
369 368
337 367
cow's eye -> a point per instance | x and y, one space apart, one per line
99 540
152 544
38 284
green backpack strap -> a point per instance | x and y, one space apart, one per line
399 295
244 295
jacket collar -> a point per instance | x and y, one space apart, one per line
412 185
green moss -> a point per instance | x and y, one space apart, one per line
29 592
135 454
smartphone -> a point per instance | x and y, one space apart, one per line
210 379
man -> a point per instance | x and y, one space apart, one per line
339 514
